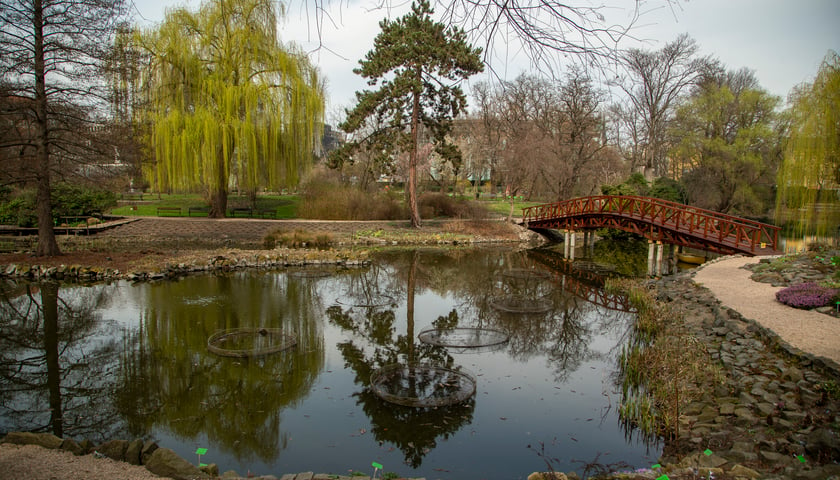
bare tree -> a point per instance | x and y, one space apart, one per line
654 82
50 54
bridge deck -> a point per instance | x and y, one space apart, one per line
658 220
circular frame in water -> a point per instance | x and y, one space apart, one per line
265 341
422 385
464 337
520 304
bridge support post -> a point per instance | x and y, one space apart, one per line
651 251
566 242
572 246
659 249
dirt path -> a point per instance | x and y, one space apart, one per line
806 330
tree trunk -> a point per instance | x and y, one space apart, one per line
412 159
47 246
219 193
49 304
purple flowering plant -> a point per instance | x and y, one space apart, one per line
806 295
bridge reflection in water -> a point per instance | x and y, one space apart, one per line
659 221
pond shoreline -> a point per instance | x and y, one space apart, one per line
758 423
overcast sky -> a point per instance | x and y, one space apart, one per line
783 41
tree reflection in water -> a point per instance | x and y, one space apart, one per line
56 359
170 380
413 430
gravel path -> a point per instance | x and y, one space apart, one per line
31 462
809 331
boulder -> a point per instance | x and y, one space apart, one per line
72 446
148 449
113 449
132 453
46 440
166 463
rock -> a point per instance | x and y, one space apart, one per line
231 475
211 469
148 449
72 446
547 476
823 443
113 449
167 463
742 471
46 440
87 446
133 452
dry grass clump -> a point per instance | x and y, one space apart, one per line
481 228
297 239
328 200
663 368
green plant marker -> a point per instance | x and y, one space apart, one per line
376 465
663 477
656 466
707 452
800 458
200 451
202 464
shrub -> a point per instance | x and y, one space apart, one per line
441 205
806 295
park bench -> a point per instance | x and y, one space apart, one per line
267 213
241 212
204 210
168 211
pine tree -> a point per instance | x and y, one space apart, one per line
417 64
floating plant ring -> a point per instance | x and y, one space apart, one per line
464 337
422 385
376 301
521 304
249 342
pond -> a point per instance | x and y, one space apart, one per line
123 360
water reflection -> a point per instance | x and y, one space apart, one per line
142 351
54 355
169 379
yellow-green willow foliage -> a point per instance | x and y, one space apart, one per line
810 175
228 104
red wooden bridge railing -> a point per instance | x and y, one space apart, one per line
658 220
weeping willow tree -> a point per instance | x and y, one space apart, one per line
228 104
809 180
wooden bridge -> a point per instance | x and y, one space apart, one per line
657 220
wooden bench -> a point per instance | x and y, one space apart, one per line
168 211
267 213
204 210
245 211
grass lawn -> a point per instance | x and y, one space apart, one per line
282 206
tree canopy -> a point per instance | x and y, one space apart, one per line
417 64
725 144
228 103
810 173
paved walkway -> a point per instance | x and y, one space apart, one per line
809 331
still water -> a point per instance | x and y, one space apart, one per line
122 361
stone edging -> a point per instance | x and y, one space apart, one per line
158 460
